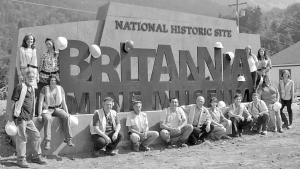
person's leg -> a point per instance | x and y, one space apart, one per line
278 120
241 124
34 134
65 118
254 78
99 142
218 131
185 132
234 127
265 121
273 119
135 138
283 117
290 112
112 146
228 125
205 134
47 120
21 140
258 78
151 136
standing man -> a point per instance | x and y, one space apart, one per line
137 124
105 128
173 123
199 117
260 113
23 99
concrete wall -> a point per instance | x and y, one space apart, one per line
81 133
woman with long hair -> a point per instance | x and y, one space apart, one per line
253 63
286 91
49 64
268 92
26 59
222 126
264 63
52 102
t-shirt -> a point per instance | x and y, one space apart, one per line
27 107
269 94
216 115
109 123
251 63
255 109
172 119
137 122
52 94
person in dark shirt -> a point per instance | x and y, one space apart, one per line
105 128
23 99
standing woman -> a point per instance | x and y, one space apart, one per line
264 63
26 59
52 102
253 63
286 91
268 92
49 64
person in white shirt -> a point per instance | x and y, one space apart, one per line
199 117
286 91
253 63
260 113
138 129
173 123
239 116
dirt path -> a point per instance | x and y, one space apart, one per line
276 150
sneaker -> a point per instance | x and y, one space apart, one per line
69 143
47 145
280 130
23 164
264 133
169 145
110 152
144 148
180 143
135 147
275 130
39 160
97 153
226 137
289 127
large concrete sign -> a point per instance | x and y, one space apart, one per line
174 54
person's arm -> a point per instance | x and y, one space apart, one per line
230 112
163 120
277 93
64 105
41 62
255 60
183 118
118 125
269 65
97 129
247 113
186 108
18 66
129 125
264 108
279 89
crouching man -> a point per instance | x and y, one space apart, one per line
200 118
23 98
138 129
105 128
260 114
173 123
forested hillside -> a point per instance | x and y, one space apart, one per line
278 28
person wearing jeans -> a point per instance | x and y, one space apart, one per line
105 128
236 113
52 103
286 91
200 118
173 123
23 98
137 124
260 114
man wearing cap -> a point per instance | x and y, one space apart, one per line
173 123
200 118
105 128
260 114
138 129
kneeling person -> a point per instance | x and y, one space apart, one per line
260 114
173 123
137 124
105 128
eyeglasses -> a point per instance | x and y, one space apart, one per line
136 102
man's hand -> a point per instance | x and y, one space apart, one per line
249 118
115 136
107 139
207 128
241 118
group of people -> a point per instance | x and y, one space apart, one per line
43 83
180 125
